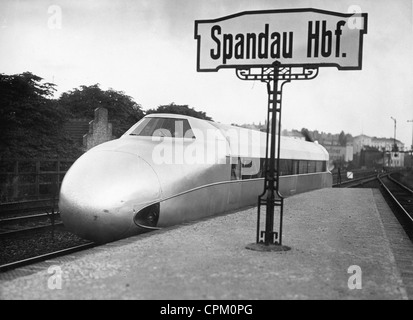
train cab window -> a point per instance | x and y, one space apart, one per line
164 127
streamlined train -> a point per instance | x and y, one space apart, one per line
168 169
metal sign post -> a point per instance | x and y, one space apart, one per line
276 47
275 77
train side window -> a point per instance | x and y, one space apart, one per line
251 168
246 168
236 169
261 174
318 166
302 167
295 167
282 167
290 166
311 166
286 167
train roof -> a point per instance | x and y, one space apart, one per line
291 148
252 143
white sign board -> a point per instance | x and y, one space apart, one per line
294 37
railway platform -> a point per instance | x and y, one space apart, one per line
342 247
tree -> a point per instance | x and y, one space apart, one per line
342 139
29 120
179 109
123 111
316 135
307 135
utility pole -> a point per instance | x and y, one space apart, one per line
411 148
394 145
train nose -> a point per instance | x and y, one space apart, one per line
100 192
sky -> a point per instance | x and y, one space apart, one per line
146 48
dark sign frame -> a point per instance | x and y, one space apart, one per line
306 65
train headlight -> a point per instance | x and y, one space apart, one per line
148 217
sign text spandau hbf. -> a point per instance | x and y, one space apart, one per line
302 37
268 44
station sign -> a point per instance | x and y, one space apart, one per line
293 37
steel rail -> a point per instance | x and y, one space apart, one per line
398 204
400 184
367 178
13 232
47 256
14 203
27 217
18 211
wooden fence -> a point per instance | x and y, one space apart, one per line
31 179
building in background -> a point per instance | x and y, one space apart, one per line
377 152
397 159
100 130
359 142
386 144
90 133
340 154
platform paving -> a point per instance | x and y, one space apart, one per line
329 231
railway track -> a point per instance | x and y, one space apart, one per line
44 257
400 199
27 207
352 183
32 231
25 223
400 195
26 216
